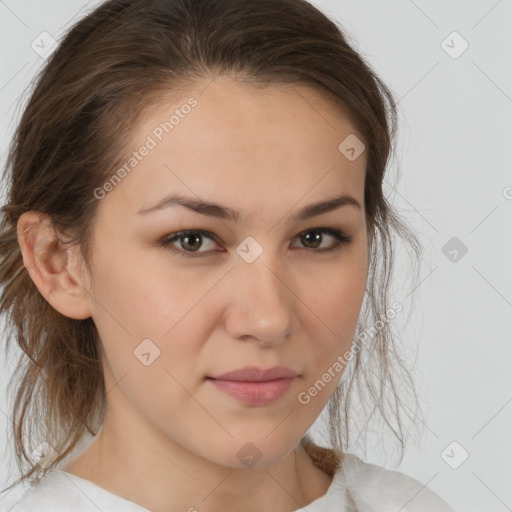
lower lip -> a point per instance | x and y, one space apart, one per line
254 393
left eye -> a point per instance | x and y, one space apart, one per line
192 240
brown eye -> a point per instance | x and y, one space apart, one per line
313 238
191 241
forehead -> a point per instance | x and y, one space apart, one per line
241 142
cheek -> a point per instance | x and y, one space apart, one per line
150 314
138 298
337 295
333 309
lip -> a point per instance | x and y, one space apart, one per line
255 374
253 392
255 386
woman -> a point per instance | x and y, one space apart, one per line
194 238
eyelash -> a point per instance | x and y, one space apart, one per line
166 242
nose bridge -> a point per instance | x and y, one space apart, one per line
261 263
260 297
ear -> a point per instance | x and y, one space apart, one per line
56 271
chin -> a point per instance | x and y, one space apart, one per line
253 454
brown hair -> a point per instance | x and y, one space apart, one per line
112 65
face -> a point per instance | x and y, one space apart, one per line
270 288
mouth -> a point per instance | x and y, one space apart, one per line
254 392
255 374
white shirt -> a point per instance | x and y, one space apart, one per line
357 486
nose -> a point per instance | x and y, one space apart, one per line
260 304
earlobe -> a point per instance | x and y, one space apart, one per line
49 264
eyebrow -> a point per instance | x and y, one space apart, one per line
223 212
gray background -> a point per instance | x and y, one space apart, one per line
454 161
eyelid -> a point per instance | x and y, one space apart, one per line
340 239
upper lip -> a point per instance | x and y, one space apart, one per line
254 374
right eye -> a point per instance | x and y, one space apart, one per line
190 238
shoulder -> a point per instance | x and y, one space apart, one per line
53 492
59 491
373 488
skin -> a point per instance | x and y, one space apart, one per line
170 439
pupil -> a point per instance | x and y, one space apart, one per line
316 237
186 237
